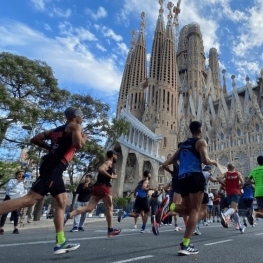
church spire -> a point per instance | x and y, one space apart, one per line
138 74
125 83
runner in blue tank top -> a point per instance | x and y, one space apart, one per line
191 154
248 197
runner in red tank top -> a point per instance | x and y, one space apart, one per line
233 183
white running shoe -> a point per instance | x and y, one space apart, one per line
135 226
177 229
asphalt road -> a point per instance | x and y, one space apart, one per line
216 245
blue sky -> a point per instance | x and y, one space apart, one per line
86 42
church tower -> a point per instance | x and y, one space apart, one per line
214 66
125 83
191 61
155 64
164 108
138 75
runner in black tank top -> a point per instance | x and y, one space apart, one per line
101 190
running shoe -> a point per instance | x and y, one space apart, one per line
197 232
187 250
205 224
2 232
114 232
121 215
66 218
15 231
142 230
242 230
250 216
155 227
81 229
65 247
177 229
245 221
135 226
237 226
224 220
74 229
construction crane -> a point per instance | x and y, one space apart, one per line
176 11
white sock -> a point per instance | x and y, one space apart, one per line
229 212
237 221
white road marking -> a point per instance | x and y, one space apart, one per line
259 234
133 259
223 241
71 239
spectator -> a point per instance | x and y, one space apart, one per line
14 189
84 191
210 205
216 206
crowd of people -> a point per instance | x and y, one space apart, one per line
187 194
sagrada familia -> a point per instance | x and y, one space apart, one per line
180 88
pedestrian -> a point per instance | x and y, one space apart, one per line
64 140
84 191
191 154
210 205
141 201
216 206
14 189
101 190
233 181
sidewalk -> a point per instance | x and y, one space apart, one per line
46 223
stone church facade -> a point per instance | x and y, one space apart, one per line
180 88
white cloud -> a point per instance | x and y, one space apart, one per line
123 48
100 47
47 27
108 32
101 13
60 13
71 60
39 5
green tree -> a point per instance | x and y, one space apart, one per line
7 171
29 93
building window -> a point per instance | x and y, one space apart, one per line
160 179
164 142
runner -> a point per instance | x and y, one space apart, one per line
191 154
248 196
203 210
175 193
257 176
233 181
64 141
101 190
141 201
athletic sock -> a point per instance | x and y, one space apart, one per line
237 221
143 226
172 207
229 212
110 229
60 238
186 241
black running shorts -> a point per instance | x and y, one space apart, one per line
50 180
205 199
141 204
192 183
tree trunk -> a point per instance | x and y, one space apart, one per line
74 195
39 209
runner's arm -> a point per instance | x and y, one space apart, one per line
241 180
78 137
103 169
170 161
40 139
201 147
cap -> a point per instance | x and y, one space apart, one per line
89 175
110 153
73 112
207 168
